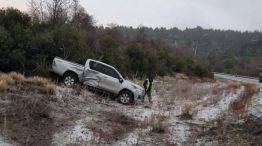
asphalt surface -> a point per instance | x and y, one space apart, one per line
237 78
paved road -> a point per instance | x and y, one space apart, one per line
231 77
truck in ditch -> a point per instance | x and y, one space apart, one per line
97 75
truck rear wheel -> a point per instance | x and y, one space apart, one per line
70 79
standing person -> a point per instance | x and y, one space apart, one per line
148 85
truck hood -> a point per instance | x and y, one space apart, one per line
133 84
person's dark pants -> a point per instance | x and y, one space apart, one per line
148 94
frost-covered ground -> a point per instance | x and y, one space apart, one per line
171 99
184 112
255 108
4 142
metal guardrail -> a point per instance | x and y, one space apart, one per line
247 77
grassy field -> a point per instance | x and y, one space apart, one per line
185 111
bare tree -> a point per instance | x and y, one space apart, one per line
37 10
75 8
58 10
80 18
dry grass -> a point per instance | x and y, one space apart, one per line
6 81
14 82
244 99
230 86
3 85
16 76
36 80
181 76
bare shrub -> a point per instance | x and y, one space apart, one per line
186 111
158 123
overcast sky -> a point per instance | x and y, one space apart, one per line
219 14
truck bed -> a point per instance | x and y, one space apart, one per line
60 66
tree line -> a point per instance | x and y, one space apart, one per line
29 42
226 51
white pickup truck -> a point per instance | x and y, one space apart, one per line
97 75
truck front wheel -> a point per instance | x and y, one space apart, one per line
125 97
70 79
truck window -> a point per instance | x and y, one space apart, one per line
111 72
103 69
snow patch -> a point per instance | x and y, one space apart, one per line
179 131
211 112
133 138
4 143
255 107
79 134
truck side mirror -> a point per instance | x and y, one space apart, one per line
121 80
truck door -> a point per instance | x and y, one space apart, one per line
91 75
102 76
110 79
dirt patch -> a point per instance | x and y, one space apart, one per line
112 126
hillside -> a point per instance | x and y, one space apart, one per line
228 51
35 111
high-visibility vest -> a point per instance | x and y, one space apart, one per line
147 85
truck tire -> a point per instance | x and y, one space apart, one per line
70 79
125 97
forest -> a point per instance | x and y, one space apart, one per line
225 51
30 40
